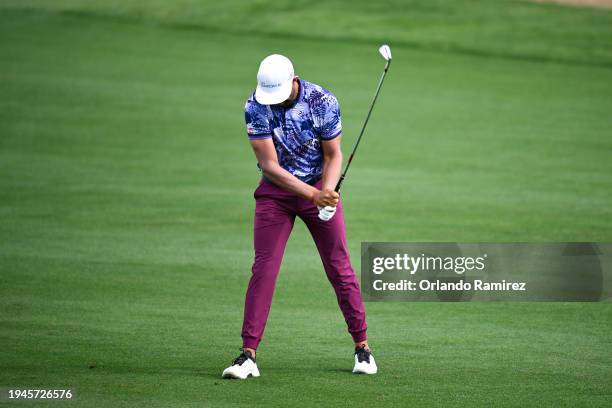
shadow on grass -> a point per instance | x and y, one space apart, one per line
214 373
339 370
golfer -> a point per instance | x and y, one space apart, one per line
294 129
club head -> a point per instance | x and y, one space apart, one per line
385 51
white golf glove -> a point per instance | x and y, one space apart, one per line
326 213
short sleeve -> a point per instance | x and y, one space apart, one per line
256 120
330 125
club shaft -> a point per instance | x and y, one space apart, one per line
365 123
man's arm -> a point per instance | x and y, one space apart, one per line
332 163
268 162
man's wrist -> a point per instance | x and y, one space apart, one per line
328 182
313 194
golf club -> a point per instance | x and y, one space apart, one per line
326 213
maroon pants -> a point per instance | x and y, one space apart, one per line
275 213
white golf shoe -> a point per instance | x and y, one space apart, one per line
242 367
364 362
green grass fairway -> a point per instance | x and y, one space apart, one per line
126 204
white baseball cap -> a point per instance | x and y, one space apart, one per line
274 80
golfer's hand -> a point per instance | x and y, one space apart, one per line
326 198
326 213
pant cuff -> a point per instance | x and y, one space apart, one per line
250 342
359 336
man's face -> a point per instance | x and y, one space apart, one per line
294 92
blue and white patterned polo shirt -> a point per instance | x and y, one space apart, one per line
297 131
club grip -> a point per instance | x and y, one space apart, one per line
337 189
